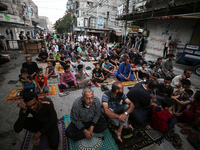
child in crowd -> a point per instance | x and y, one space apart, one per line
26 80
74 55
41 81
151 69
164 90
186 84
182 101
108 68
50 72
143 72
58 55
79 62
80 77
71 67
101 61
161 117
67 79
135 71
97 74
190 118
51 59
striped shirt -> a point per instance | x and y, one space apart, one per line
81 114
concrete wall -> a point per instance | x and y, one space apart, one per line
159 31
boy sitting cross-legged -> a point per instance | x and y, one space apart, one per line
182 101
66 79
26 80
41 81
97 74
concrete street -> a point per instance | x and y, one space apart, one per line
9 111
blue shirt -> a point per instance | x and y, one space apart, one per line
107 66
124 69
65 52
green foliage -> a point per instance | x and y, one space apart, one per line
63 24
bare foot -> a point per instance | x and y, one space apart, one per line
177 114
118 136
147 127
128 127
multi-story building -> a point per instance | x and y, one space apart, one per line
97 17
46 24
19 15
160 19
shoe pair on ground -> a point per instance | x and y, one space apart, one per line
104 88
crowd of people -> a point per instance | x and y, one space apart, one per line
152 103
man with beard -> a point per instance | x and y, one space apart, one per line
159 72
31 66
116 111
86 120
43 120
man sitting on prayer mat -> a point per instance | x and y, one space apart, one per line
86 120
43 120
115 110
124 71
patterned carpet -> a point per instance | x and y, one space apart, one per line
93 144
44 145
14 94
137 139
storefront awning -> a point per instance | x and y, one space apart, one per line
96 31
3 7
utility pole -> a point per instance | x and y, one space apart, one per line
127 6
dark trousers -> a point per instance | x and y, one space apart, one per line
165 52
70 84
35 125
75 134
171 122
27 90
143 75
142 115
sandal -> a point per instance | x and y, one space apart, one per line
169 135
194 136
177 141
186 131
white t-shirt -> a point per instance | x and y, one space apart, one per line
167 43
145 69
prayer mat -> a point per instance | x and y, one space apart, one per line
14 94
44 145
125 83
131 140
92 144
74 89
109 81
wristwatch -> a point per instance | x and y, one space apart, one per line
126 113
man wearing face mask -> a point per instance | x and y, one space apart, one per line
86 120
116 111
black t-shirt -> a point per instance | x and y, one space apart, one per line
161 90
139 96
43 55
114 57
41 34
131 55
97 73
33 67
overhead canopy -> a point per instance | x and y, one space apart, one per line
163 9
3 7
